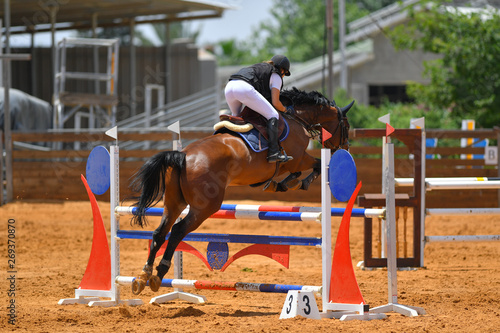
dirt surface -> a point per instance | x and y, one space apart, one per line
459 287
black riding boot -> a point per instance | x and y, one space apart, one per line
274 154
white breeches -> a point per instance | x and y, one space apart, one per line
239 93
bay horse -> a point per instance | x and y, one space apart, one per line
199 174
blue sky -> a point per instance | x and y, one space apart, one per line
237 23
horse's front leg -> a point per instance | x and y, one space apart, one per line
289 183
312 176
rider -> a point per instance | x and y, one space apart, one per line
258 87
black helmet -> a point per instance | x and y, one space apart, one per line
280 61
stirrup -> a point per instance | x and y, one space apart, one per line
279 158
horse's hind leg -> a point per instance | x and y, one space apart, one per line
158 239
188 224
173 204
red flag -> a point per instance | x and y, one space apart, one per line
388 129
325 135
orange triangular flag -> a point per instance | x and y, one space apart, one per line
388 129
325 135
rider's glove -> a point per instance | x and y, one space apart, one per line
290 110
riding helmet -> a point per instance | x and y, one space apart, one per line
280 61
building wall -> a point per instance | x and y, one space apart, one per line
389 67
189 74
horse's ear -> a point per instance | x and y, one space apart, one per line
346 108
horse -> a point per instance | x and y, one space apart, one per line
199 174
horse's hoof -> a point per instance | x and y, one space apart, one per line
154 283
271 186
138 286
294 184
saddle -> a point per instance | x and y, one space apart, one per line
248 120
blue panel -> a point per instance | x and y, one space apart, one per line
342 174
217 254
97 171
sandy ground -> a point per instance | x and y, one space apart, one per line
459 287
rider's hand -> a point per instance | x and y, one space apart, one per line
289 110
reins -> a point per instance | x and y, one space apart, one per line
315 130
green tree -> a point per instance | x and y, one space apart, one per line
466 79
297 30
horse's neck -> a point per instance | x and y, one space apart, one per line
297 130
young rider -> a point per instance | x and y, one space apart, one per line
258 87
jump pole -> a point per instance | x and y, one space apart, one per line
262 212
326 230
393 305
408 182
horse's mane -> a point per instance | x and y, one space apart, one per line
301 97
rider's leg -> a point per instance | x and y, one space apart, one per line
273 153
251 98
231 92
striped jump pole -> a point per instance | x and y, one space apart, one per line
462 211
269 213
463 238
335 211
222 285
448 185
232 214
408 182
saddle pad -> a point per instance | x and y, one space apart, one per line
254 139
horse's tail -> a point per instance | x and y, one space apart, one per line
149 181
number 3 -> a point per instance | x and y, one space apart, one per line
307 309
290 301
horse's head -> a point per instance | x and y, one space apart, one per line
315 112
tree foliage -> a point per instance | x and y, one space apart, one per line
366 116
466 79
298 30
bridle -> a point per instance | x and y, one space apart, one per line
315 130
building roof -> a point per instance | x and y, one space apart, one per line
397 13
35 15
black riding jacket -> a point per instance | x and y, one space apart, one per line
258 76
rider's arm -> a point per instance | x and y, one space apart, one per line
275 84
